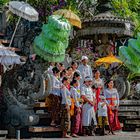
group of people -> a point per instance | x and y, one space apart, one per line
80 102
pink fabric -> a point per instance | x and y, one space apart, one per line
76 121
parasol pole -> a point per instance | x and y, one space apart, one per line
14 32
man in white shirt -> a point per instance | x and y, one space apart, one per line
85 69
88 112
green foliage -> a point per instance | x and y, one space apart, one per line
3 2
128 9
46 7
131 56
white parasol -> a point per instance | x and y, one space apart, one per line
8 57
23 10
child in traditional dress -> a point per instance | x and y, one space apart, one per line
55 96
65 108
102 115
76 116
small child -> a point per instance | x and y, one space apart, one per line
65 108
102 115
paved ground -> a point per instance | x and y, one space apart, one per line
118 136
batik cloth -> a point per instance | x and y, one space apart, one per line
65 118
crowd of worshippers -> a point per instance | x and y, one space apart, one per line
79 101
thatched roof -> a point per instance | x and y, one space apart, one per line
106 23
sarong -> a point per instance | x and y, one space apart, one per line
54 106
76 121
113 119
65 118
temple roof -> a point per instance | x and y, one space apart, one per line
106 23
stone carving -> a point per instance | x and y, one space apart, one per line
23 86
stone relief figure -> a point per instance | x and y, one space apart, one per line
23 86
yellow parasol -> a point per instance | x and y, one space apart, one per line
108 60
68 14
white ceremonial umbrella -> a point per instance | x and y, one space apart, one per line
8 57
24 10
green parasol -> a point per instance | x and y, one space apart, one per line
53 40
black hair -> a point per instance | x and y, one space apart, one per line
68 68
95 70
73 82
93 87
64 79
107 82
55 70
72 63
75 75
61 64
63 72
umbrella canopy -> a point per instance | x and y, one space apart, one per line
52 42
68 14
108 60
23 10
8 57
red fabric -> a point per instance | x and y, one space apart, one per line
97 98
68 86
113 119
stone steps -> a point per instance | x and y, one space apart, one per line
123 114
40 105
3 134
129 114
135 122
41 129
129 108
129 102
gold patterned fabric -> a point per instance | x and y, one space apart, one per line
103 120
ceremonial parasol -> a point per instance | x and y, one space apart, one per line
108 60
23 10
8 57
68 14
52 42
